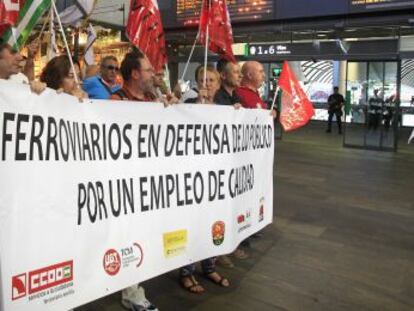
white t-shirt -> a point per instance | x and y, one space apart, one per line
19 77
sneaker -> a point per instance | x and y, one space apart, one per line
240 254
144 305
225 261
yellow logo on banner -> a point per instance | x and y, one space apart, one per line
175 243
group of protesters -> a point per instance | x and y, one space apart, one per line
135 80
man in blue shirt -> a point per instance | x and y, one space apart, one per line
104 85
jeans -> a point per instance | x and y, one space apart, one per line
207 265
338 120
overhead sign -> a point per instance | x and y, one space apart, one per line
323 50
188 11
269 49
378 5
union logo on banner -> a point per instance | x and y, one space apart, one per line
217 230
175 243
125 257
18 286
41 280
112 262
261 210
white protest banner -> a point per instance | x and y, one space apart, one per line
101 195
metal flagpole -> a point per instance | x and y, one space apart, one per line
189 58
205 57
206 47
52 42
167 73
44 25
66 42
411 137
274 98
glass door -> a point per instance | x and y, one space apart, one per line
371 112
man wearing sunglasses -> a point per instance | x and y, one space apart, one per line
102 86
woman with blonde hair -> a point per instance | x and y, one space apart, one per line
207 91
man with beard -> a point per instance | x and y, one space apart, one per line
138 76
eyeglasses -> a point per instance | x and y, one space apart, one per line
110 67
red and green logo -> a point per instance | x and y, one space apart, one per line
217 230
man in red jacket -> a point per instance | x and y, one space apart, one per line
253 78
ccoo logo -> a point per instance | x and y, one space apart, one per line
18 286
41 279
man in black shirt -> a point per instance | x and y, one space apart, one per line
335 103
230 79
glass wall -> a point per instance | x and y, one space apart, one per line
372 109
407 93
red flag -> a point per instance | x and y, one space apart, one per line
145 31
215 15
9 13
297 110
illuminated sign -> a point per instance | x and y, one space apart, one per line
374 5
268 49
188 11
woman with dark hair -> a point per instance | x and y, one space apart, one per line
58 74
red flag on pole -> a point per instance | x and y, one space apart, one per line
9 13
145 31
297 109
215 17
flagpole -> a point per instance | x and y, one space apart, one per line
189 58
167 73
13 30
52 41
205 57
274 98
66 42
39 37
411 137
206 47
